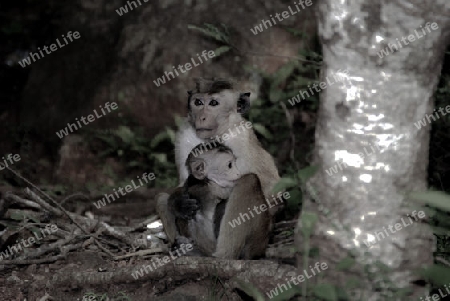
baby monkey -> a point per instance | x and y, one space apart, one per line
195 210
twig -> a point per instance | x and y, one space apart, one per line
72 196
42 203
290 122
15 198
140 253
443 261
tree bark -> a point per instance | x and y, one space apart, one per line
366 132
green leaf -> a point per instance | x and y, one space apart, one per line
134 164
211 31
287 294
295 198
250 290
141 149
159 138
108 140
284 183
171 135
160 157
437 199
353 282
221 50
326 292
275 95
35 230
346 263
296 32
283 73
125 134
308 221
437 275
262 130
17 216
306 173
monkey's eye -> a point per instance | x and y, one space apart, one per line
213 103
198 102
230 165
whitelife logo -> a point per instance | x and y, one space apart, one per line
339 76
280 17
35 56
411 38
50 229
296 280
243 217
373 239
124 9
422 122
159 262
90 118
162 80
11 159
128 188
224 137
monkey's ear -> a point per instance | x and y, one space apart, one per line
198 169
243 104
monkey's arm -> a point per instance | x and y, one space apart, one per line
182 205
185 141
253 159
249 239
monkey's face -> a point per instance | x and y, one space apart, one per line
209 113
223 170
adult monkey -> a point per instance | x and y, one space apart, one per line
214 111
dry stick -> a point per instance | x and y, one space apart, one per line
290 122
187 268
46 297
145 223
443 261
72 196
103 248
53 201
46 195
43 203
34 261
43 260
140 253
25 202
45 249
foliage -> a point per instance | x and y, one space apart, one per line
220 35
439 164
217 290
138 152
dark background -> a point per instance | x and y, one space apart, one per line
117 58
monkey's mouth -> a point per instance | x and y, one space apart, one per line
205 133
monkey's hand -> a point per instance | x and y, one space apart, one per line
185 207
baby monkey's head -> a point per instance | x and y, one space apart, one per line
214 162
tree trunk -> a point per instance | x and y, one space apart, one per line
368 148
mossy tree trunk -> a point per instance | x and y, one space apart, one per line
368 148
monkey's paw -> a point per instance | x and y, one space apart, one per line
187 208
